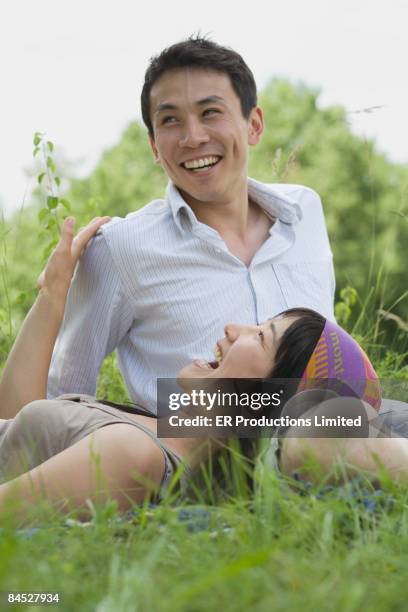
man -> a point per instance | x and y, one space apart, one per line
161 284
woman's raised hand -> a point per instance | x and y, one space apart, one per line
56 277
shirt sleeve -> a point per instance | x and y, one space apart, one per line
331 316
317 233
322 221
308 277
97 316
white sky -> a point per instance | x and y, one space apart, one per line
74 69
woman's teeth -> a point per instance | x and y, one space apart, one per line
208 365
217 354
201 363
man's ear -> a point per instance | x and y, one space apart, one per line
255 126
154 149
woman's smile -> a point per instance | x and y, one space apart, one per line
246 351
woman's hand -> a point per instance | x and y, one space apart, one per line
57 275
25 374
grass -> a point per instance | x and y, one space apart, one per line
279 549
282 551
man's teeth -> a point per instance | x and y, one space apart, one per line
200 163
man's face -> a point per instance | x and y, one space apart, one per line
200 135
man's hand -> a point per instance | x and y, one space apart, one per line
57 275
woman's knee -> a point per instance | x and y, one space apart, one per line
312 458
22 445
128 451
33 417
128 462
30 428
337 459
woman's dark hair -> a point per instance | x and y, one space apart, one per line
297 343
197 52
295 349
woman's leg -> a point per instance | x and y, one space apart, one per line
315 458
40 430
117 462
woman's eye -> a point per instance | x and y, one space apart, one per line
168 120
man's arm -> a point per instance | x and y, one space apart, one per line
97 316
319 244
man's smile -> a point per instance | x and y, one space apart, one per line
201 164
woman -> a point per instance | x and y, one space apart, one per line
42 438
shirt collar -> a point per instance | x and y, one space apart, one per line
277 204
178 204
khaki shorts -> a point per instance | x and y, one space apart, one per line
44 428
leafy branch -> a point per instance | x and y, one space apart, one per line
343 308
56 207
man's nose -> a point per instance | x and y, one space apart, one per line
194 134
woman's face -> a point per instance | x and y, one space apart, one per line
246 351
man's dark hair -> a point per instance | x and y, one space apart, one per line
204 54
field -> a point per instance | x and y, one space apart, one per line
284 546
284 549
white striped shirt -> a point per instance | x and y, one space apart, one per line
159 286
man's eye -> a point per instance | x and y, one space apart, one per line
168 120
210 111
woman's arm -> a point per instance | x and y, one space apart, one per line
26 371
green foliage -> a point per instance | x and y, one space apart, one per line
110 385
343 308
393 366
6 319
48 180
286 551
125 179
382 334
364 196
